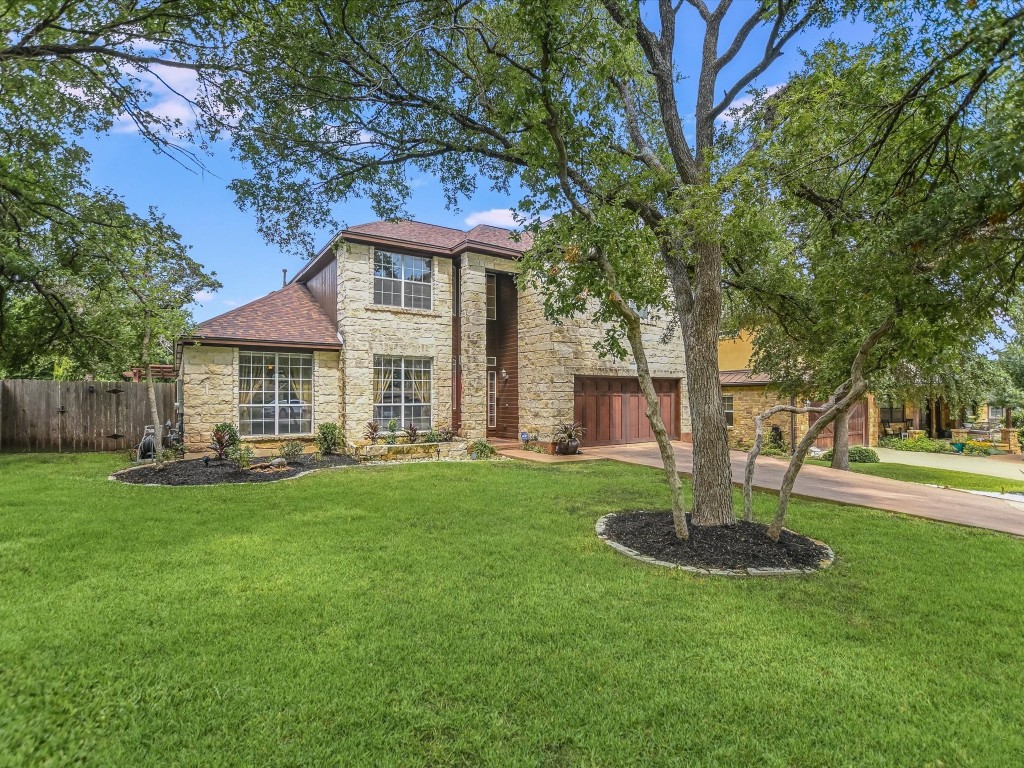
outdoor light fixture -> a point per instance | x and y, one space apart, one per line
206 460
504 375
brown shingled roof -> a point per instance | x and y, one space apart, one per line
445 239
287 316
744 378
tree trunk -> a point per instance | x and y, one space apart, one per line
668 456
1009 417
699 316
932 428
158 427
841 441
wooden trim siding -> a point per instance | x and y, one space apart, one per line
503 346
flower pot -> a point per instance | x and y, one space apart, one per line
569 448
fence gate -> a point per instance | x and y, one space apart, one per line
73 416
858 431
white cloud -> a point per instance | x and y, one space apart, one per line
738 105
496 217
229 303
171 87
204 296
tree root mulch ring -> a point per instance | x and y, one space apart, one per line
743 548
196 471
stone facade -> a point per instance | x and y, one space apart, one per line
748 402
550 355
368 329
210 386
210 389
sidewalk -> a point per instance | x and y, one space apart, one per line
1006 467
942 504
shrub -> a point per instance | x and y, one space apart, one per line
390 438
482 449
433 436
372 431
327 438
917 444
225 437
412 432
316 456
445 434
978 448
568 431
393 425
859 454
242 455
291 450
164 457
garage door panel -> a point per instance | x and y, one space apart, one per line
613 410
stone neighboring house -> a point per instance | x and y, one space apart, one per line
746 394
425 325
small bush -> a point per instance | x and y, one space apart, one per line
482 449
859 454
242 455
978 448
164 457
412 432
390 438
372 432
225 437
445 434
916 444
433 436
327 438
393 425
316 457
291 450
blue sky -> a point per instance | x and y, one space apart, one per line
225 240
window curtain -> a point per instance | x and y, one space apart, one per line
421 384
384 376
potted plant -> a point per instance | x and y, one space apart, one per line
568 436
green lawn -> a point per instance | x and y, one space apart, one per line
966 481
466 614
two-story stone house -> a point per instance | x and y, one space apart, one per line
422 324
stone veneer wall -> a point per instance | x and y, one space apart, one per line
369 330
210 389
551 355
748 402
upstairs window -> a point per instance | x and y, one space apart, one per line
401 280
492 297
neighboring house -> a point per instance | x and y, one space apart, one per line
421 324
746 394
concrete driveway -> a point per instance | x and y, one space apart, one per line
945 505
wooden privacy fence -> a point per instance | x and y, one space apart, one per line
70 416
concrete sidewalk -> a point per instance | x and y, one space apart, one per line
1005 467
945 505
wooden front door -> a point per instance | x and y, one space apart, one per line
613 410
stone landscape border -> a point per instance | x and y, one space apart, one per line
600 527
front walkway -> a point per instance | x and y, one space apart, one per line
945 505
1006 467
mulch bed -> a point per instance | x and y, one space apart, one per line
744 545
196 472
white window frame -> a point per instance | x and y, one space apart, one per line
996 413
492 399
728 407
378 364
277 388
491 297
405 260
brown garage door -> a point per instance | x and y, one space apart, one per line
612 409
858 426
